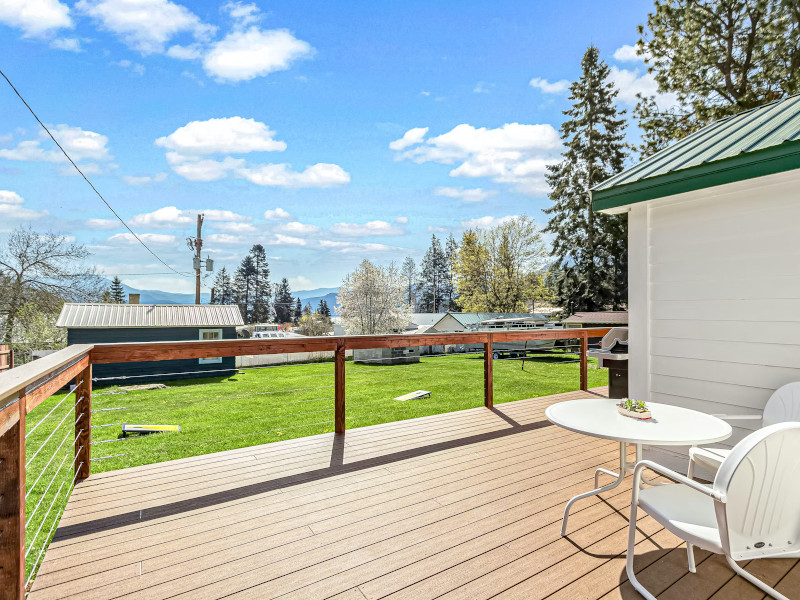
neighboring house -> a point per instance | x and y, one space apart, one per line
714 265
114 323
461 321
606 318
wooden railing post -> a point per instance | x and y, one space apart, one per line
339 387
488 376
83 424
12 508
584 361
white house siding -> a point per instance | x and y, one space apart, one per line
715 298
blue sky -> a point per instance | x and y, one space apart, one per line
327 131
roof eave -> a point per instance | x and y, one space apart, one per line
776 159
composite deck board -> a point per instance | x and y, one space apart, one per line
460 505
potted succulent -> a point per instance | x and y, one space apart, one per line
636 409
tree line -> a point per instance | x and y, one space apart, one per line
259 300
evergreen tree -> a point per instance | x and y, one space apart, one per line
284 303
323 308
451 255
223 288
244 286
298 311
307 310
409 273
718 57
590 248
116 291
262 290
434 278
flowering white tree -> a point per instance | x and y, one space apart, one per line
372 300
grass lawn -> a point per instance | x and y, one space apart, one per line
260 406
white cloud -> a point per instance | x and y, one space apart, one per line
136 68
68 44
195 169
80 144
215 214
464 194
627 53
143 179
286 240
352 248
230 135
633 82
482 87
410 138
150 238
243 14
514 154
234 227
437 229
145 25
401 220
166 217
101 224
9 211
486 222
9 197
300 283
368 228
11 208
188 145
223 238
35 17
190 52
276 214
556 87
297 228
171 217
244 55
281 175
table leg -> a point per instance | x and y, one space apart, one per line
623 467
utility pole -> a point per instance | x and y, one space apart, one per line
196 244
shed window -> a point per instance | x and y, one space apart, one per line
210 334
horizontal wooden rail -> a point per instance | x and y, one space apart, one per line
23 388
152 351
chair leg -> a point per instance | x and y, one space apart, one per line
755 580
690 557
690 471
629 558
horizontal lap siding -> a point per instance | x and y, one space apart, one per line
136 371
724 293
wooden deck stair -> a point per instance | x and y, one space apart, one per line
460 505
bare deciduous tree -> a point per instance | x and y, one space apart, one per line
372 300
45 270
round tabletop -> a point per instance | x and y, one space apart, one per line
670 425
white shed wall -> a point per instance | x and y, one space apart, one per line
715 298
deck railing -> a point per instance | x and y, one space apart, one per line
22 389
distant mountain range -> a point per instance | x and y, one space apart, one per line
160 297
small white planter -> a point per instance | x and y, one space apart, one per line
634 414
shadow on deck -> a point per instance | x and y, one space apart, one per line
460 505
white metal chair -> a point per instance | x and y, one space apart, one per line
752 510
782 406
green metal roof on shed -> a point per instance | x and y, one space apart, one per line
756 142
107 316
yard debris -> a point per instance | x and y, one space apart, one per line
144 386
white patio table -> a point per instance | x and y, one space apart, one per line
669 426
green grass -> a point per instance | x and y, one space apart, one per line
266 405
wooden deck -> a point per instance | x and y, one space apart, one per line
460 505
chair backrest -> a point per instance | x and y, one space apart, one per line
761 482
783 405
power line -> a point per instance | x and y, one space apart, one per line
99 195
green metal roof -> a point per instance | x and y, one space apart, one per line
756 142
